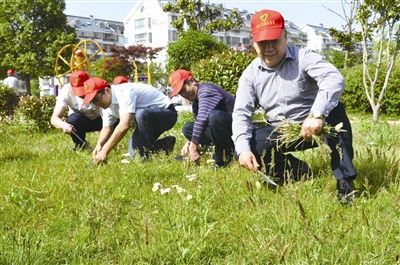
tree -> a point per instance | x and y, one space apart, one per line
191 47
31 33
348 37
198 15
223 69
381 17
124 60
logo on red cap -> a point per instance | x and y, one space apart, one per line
266 25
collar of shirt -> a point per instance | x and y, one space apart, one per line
263 67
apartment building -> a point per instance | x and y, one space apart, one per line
147 24
319 39
106 33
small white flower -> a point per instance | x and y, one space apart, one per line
156 186
125 161
180 189
166 190
126 155
191 177
339 127
258 185
371 143
189 197
199 187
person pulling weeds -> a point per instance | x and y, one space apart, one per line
290 84
212 109
150 110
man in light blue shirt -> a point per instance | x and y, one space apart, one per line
290 84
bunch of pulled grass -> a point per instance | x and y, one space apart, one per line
290 133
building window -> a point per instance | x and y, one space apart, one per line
140 23
150 37
246 41
235 41
140 37
172 35
98 35
173 18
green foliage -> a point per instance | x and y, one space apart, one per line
223 69
337 58
159 75
202 16
355 99
8 101
379 18
31 33
123 59
35 89
191 47
112 68
36 112
55 209
349 43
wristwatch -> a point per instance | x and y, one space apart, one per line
316 115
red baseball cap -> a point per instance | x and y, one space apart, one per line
92 86
176 80
76 80
120 80
10 72
266 25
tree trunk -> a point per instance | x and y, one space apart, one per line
375 113
28 84
346 59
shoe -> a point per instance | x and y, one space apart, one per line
218 165
169 143
345 188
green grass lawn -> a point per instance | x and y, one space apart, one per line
55 208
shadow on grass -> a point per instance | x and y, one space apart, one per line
16 155
376 169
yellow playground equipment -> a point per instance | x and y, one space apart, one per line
78 57
136 74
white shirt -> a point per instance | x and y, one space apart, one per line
130 97
75 104
12 82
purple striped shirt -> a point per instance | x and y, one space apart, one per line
210 97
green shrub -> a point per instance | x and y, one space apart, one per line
191 47
35 87
8 101
36 111
223 69
355 99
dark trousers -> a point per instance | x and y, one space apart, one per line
82 125
150 124
265 141
218 132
